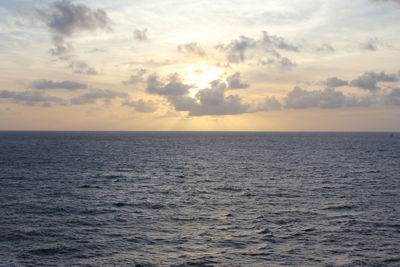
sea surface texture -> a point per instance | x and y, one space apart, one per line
199 199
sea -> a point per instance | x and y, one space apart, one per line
199 199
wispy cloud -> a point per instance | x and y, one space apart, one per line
141 105
81 67
137 77
49 84
31 98
334 82
193 48
95 95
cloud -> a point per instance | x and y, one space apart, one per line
64 19
234 82
215 100
265 50
208 101
246 48
299 98
62 49
30 98
270 103
279 61
229 105
141 105
327 48
327 98
370 45
370 80
94 95
137 77
49 84
334 82
172 87
81 67
97 50
193 48
140 35
393 98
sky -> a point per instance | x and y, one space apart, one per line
169 65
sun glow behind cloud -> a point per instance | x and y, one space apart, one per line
201 77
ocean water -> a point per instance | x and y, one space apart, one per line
199 199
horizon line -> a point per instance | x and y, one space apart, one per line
198 131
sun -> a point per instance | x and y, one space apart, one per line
201 76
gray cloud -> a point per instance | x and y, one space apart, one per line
370 80
246 48
172 87
279 61
270 103
236 49
369 45
140 35
64 19
30 98
193 48
62 49
263 51
49 84
328 98
234 82
209 101
299 98
137 77
393 98
81 67
374 44
94 95
334 82
141 105
278 42
214 100
229 105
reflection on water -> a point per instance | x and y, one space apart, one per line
202 199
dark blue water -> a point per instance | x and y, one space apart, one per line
199 199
